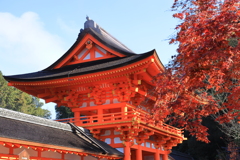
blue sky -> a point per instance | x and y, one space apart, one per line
34 34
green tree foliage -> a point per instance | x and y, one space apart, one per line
14 99
63 112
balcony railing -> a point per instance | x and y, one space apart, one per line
120 117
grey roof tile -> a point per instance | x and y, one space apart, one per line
20 126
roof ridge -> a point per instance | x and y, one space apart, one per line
115 39
33 119
93 25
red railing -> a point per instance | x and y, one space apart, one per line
160 125
100 119
120 117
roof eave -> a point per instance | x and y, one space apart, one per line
15 79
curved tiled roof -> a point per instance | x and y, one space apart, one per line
90 27
80 69
35 129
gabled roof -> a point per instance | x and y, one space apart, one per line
20 126
91 28
64 67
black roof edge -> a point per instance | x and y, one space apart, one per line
158 58
75 66
75 128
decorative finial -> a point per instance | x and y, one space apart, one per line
87 18
91 24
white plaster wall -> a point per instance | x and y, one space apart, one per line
71 157
30 151
16 151
50 154
4 150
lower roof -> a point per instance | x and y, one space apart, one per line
19 126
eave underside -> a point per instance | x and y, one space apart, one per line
80 69
56 90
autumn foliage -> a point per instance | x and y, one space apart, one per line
208 59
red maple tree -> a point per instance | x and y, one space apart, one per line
207 60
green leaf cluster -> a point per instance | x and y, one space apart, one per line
63 112
14 99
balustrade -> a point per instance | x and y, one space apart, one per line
118 118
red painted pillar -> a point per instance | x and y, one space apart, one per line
77 118
156 155
165 156
63 154
127 151
139 153
82 158
11 150
39 153
100 115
